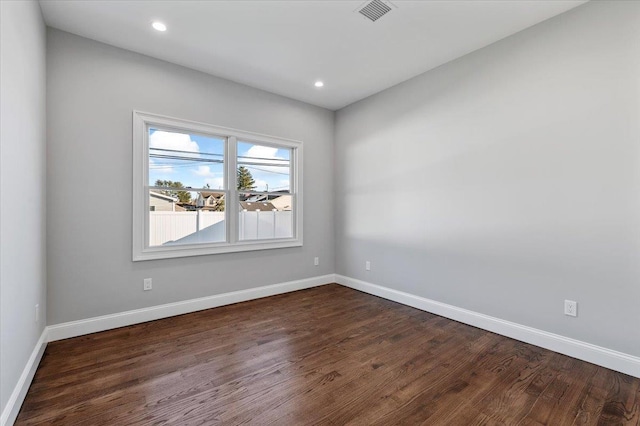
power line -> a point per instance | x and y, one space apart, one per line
211 160
263 158
177 157
217 155
267 171
251 163
187 152
174 166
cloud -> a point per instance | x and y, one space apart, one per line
161 140
261 185
262 151
214 179
215 183
265 155
160 168
205 171
174 141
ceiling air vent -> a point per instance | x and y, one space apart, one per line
374 10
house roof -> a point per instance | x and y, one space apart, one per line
162 196
207 194
253 206
283 202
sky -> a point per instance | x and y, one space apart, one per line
196 161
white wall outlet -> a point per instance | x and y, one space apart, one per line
367 265
571 308
38 312
316 261
148 284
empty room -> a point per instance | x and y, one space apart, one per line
320 212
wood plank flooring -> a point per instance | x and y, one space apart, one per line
327 355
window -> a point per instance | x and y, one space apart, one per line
201 189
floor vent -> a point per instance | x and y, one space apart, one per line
374 10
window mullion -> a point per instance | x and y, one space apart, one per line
231 206
293 188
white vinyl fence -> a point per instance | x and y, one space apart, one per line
203 226
268 224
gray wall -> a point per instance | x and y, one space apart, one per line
508 180
92 90
22 177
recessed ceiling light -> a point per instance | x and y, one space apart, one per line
159 26
319 83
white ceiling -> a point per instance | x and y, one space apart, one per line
284 46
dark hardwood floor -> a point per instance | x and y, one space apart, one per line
327 355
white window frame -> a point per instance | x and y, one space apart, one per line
142 121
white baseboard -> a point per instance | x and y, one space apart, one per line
598 355
121 319
604 357
108 322
11 410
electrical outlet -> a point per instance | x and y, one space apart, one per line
38 312
571 308
367 265
148 284
316 261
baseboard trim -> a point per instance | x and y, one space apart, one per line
122 319
11 410
614 360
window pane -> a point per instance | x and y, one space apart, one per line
265 216
185 160
186 217
264 168
183 182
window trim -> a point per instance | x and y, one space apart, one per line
141 251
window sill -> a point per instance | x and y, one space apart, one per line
208 249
